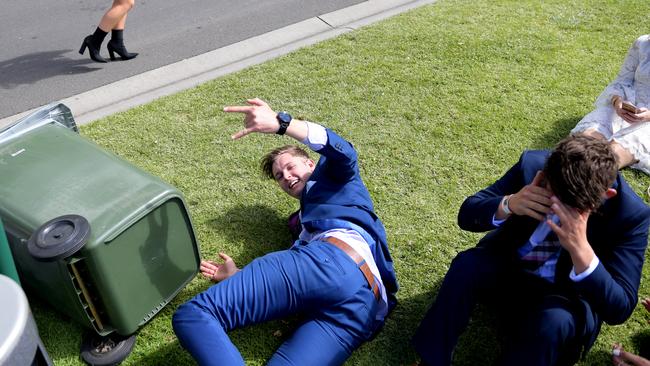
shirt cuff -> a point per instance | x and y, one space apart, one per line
592 267
496 222
316 136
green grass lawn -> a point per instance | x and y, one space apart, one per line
439 102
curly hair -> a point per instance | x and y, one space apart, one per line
580 169
267 160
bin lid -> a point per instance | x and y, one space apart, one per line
57 113
14 314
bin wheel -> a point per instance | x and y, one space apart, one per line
107 350
59 238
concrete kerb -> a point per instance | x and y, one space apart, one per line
185 74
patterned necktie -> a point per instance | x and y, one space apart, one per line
540 253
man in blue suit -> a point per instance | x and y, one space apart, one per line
564 253
339 272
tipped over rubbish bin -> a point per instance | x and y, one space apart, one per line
94 236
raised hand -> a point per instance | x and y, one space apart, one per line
572 230
218 272
533 200
572 233
258 117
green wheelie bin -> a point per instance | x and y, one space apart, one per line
94 236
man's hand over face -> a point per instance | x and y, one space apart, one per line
572 230
572 233
533 200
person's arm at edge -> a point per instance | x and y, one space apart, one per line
625 76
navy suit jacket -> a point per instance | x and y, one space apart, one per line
335 197
618 233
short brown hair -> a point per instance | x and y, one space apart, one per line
267 161
580 169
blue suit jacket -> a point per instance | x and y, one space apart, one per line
335 197
618 233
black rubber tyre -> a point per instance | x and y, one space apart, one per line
59 238
106 351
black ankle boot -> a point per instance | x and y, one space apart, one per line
116 45
94 42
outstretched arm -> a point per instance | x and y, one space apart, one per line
259 117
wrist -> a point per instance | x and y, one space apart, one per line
581 257
504 211
284 119
505 205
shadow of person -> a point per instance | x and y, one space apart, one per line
30 68
641 342
561 129
603 356
392 344
260 229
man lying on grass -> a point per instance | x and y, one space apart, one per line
339 273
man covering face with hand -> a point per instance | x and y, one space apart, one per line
564 252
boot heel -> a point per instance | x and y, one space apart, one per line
94 52
120 50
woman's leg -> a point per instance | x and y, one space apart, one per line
623 156
113 20
115 17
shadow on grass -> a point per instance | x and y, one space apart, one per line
392 345
170 354
478 345
260 230
641 341
59 333
561 129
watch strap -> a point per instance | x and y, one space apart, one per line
284 119
505 205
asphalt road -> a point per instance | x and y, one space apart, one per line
40 39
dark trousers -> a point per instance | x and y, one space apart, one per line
545 327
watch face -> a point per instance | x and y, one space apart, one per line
284 117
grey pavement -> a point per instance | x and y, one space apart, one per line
178 50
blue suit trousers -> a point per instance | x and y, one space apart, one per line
317 279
